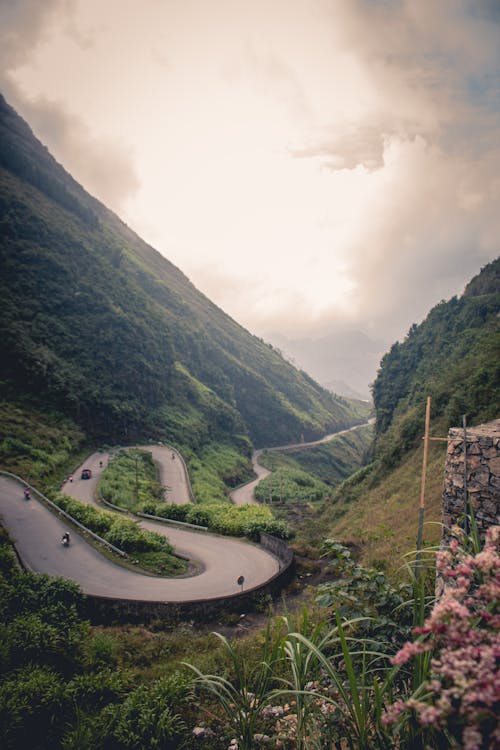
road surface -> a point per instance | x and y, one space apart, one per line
245 494
172 475
36 532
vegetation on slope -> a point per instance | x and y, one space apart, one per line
329 462
97 325
129 481
454 357
41 447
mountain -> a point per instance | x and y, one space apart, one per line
454 357
344 361
99 327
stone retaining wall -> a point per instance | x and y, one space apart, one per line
481 474
104 610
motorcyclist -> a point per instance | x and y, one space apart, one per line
65 538
27 493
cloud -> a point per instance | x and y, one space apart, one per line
104 167
308 164
429 144
24 25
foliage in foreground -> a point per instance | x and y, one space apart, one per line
334 686
460 699
59 682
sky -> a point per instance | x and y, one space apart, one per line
311 165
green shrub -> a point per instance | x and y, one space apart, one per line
147 718
223 518
32 706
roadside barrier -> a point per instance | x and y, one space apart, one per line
172 520
111 505
62 512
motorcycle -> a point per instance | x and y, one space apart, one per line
65 540
27 494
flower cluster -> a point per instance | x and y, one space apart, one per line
463 636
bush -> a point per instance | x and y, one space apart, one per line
32 708
121 532
147 718
461 695
223 518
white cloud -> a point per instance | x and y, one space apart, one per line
303 162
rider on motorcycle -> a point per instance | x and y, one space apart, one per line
27 493
65 538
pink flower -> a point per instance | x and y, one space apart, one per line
472 739
462 694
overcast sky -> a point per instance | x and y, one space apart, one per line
309 164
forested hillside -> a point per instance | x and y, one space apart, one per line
98 326
454 357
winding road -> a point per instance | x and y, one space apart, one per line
36 532
245 494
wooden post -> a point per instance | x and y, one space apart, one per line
421 509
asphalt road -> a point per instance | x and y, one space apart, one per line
171 471
245 494
37 531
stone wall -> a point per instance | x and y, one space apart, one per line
480 474
109 611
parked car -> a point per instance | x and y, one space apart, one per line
86 473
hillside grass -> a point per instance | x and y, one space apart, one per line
381 517
130 478
42 448
310 474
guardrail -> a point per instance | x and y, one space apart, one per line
172 520
62 512
112 505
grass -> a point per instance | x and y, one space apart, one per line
130 479
152 551
382 519
41 448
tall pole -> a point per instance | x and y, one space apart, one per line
421 508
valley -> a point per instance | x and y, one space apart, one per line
118 348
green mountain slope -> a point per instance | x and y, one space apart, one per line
97 325
454 357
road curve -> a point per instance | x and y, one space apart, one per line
245 494
36 532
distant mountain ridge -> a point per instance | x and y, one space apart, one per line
344 361
98 325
